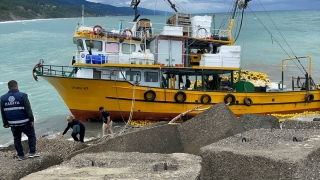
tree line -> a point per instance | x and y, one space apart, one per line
35 9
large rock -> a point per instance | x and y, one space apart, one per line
11 169
53 152
292 124
154 139
118 165
257 121
216 123
59 147
264 154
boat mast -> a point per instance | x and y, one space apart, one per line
240 4
82 17
173 6
134 4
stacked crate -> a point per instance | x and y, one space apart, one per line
182 20
230 56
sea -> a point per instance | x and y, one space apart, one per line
265 38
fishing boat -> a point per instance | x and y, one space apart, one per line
139 73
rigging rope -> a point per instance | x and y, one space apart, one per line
224 21
273 38
115 84
239 26
132 108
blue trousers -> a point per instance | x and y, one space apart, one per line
28 130
81 133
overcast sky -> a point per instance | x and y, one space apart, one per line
212 6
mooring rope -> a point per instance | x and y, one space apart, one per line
132 107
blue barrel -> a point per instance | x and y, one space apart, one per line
88 59
96 59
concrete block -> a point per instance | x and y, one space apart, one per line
257 121
212 125
264 154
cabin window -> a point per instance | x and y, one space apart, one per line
94 46
151 76
112 47
80 45
133 75
128 48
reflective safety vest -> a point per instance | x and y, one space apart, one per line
12 104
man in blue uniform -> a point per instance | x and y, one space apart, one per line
78 128
16 113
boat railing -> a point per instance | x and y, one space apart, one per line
184 30
300 82
145 58
114 58
53 70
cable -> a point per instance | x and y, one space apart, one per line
115 84
283 39
132 107
275 38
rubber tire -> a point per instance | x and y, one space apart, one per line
181 100
145 95
245 101
233 101
205 96
309 98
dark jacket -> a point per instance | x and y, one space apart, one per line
105 116
73 123
15 108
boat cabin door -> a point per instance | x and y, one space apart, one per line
170 52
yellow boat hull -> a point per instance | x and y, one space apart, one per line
84 96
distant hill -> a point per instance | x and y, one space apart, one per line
41 9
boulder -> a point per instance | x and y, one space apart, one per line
257 121
265 154
120 165
293 124
216 123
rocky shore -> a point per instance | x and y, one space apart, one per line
213 145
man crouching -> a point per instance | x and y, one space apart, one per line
78 128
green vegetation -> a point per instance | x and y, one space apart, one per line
39 9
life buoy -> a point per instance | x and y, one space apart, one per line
97 29
233 99
149 95
124 33
309 98
205 99
247 101
177 97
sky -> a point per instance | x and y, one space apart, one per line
214 6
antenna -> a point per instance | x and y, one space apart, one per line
135 4
82 18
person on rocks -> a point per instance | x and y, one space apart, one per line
77 128
107 122
16 113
